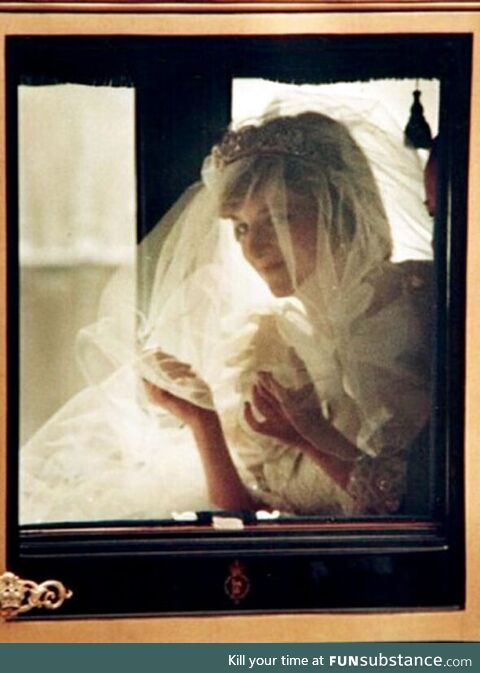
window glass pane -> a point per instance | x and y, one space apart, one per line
77 223
294 378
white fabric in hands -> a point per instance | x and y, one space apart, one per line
355 325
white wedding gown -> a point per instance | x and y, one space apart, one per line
108 454
362 341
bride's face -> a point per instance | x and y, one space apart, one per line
257 236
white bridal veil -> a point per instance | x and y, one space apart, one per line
345 339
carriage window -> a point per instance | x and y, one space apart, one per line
94 446
236 318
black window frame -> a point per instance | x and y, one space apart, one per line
397 563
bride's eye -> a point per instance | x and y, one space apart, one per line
240 229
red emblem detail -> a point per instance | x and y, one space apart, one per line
237 584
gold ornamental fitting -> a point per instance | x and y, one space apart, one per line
18 596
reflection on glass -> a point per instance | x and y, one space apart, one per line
282 360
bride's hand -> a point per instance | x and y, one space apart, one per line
186 412
154 361
276 422
288 413
162 368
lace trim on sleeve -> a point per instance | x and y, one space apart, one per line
377 485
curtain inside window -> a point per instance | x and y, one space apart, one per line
77 223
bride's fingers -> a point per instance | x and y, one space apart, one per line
268 379
296 360
275 400
266 404
265 391
273 386
167 361
156 394
258 426
177 369
159 356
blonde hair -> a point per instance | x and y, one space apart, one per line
319 159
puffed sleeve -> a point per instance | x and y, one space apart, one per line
278 475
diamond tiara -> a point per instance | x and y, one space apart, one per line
277 137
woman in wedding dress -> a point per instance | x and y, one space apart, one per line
280 331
